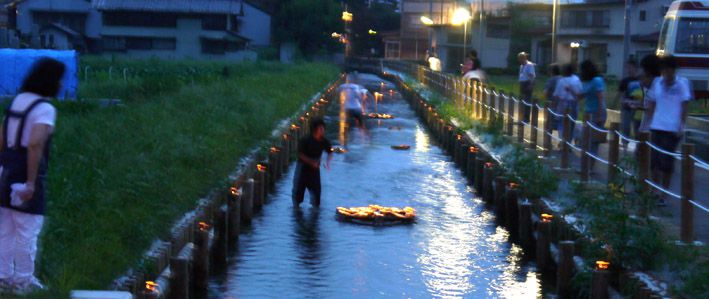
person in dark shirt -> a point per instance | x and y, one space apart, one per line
307 172
625 97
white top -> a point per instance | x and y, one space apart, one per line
568 88
476 74
43 113
352 95
434 64
526 72
668 103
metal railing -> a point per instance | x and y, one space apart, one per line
485 103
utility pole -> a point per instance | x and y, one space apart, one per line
626 36
554 14
482 31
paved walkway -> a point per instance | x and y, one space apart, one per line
670 213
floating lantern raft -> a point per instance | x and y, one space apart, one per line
401 147
376 214
380 116
338 150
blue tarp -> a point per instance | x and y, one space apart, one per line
16 63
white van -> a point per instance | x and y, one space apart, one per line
685 35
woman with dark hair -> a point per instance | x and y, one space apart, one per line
25 139
593 91
566 95
667 99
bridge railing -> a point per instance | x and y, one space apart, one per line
575 143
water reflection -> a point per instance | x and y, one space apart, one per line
454 250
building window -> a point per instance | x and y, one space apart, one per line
140 19
114 43
164 44
498 31
75 21
642 16
214 22
585 19
139 43
220 47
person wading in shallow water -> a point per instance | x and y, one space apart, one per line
307 171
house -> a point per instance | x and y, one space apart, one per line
414 36
595 29
206 29
58 24
156 28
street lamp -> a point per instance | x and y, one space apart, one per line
347 16
426 21
461 17
372 32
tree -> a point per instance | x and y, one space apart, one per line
309 23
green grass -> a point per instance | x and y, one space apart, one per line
120 176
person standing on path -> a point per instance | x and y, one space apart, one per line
668 99
594 89
550 87
527 76
307 171
25 137
566 94
628 101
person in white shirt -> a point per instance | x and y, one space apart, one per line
434 63
566 95
526 82
25 138
353 97
667 99
475 72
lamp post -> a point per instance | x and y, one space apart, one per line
461 16
347 18
555 12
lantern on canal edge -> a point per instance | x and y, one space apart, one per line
203 226
602 265
473 150
151 287
234 191
513 185
458 137
260 167
489 164
274 149
546 218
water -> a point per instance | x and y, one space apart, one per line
454 249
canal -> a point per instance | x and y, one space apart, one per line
454 249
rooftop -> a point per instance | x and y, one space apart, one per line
176 6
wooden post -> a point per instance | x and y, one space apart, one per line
543 256
565 269
566 139
599 284
220 246
613 152
546 139
510 115
520 125
643 152
470 168
247 202
488 191
687 230
511 214
499 199
534 122
234 211
525 225
259 186
479 171
200 260
586 147
180 278
285 153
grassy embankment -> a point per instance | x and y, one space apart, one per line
120 176
509 83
